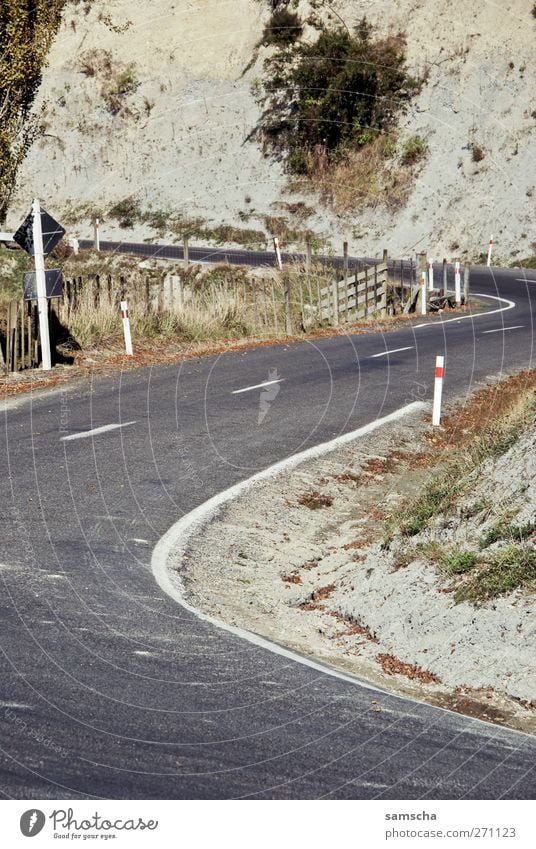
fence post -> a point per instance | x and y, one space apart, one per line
490 246
288 314
278 253
423 293
308 255
335 298
466 283
126 327
186 251
457 284
438 390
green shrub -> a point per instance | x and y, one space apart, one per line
283 28
334 95
127 212
414 150
460 562
509 569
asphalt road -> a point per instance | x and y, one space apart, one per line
108 688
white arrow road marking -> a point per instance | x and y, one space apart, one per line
176 540
95 431
504 329
393 351
257 386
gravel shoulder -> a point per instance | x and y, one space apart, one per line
299 560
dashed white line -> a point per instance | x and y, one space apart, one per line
95 431
504 329
525 280
257 386
392 351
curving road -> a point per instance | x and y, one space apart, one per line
108 688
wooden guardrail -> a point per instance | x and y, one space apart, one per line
355 297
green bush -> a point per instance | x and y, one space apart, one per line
509 569
335 95
283 28
414 150
460 562
127 212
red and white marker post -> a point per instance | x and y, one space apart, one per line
457 284
278 253
126 328
438 390
489 250
96 235
423 293
430 274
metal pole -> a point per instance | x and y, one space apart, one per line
40 279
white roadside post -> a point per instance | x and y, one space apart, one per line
126 328
438 390
96 235
423 293
489 250
430 274
278 253
457 284
40 281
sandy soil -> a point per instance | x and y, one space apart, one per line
319 580
183 144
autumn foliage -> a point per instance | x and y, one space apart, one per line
27 28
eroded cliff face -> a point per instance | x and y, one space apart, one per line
151 101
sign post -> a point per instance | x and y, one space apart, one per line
38 234
40 279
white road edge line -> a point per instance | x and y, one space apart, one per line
257 386
511 305
96 430
504 329
393 351
178 535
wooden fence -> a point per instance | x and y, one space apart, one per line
21 337
355 297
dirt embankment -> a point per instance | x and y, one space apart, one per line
158 90
415 571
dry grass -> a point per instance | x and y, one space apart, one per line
365 177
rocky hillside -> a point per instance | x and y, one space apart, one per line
151 101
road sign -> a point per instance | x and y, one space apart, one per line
53 282
52 233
